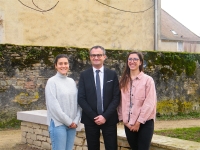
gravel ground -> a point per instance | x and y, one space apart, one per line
11 139
20 147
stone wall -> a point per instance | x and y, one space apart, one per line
24 71
37 135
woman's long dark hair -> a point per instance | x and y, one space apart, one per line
126 74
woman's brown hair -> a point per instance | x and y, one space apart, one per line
126 74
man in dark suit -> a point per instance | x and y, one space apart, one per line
99 102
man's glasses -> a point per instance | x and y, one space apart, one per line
96 55
133 59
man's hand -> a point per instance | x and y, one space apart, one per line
99 120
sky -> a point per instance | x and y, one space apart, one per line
186 12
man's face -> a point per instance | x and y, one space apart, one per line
97 58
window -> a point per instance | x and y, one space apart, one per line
180 46
174 32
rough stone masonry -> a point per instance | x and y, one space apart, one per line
24 71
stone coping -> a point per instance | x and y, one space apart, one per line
39 116
35 116
166 142
174 143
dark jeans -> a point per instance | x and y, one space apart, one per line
109 135
140 140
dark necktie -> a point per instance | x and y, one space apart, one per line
98 89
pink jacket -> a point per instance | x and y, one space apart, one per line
143 100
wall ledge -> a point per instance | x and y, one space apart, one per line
34 116
158 142
174 143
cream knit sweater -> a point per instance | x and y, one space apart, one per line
61 100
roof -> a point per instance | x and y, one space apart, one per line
170 25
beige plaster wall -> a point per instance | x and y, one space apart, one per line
1 22
79 23
172 46
192 47
167 46
198 48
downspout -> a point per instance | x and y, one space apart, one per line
156 25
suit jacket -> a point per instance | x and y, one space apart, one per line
87 98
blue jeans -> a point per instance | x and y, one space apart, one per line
62 137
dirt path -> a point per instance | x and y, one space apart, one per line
11 139
161 125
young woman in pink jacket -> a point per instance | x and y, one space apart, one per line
137 109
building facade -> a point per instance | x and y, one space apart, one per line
81 23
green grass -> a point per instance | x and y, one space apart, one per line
191 134
10 124
179 116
